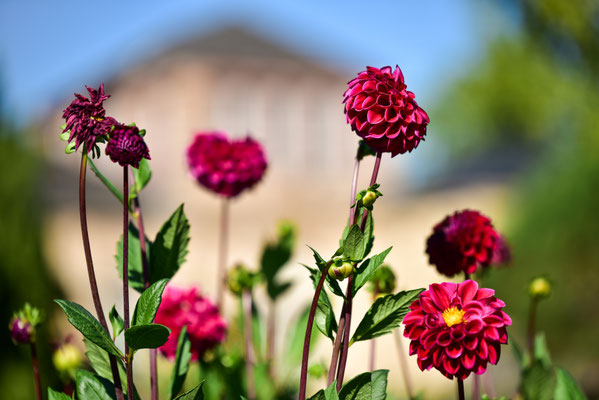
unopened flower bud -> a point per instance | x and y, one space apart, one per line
383 280
539 288
369 198
21 331
67 359
240 279
340 270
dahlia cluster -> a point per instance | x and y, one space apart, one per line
457 328
186 307
465 242
227 167
381 111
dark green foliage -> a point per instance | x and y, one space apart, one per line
197 393
150 336
92 387
274 256
148 303
116 321
181 364
324 319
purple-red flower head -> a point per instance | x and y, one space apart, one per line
381 111
21 331
464 242
227 167
456 328
86 118
126 146
186 307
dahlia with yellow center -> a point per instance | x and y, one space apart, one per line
453 316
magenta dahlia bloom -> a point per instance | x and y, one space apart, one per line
126 146
86 118
227 167
463 242
186 307
456 328
381 111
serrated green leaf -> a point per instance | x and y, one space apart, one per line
141 177
330 393
331 283
365 271
89 326
385 314
116 322
354 245
148 303
135 263
566 387
181 364
52 395
324 318
169 250
150 336
366 386
92 387
197 393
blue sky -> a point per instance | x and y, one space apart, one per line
49 49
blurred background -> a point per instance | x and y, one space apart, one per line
512 89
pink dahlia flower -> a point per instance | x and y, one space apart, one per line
227 167
126 146
86 118
186 307
456 328
463 242
381 111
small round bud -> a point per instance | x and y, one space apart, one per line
369 198
341 270
383 280
21 331
539 288
240 279
317 371
67 359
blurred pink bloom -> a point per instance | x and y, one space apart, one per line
186 307
227 167
456 328
463 242
381 111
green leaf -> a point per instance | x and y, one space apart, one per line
92 387
538 382
541 352
274 256
141 177
85 323
116 322
366 386
318 395
197 393
149 336
52 395
181 365
331 392
169 250
385 314
324 318
365 271
136 280
368 229
98 358
148 303
331 283
354 245
566 387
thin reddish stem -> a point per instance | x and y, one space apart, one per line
337 347
91 274
346 330
222 253
36 371
128 358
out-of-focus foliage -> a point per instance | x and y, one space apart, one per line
24 275
537 90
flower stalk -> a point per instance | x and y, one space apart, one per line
129 358
90 271
223 242
36 371
345 346
461 390
246 303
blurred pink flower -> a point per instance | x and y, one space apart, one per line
227 167
456 328
463 242
186 307
381 111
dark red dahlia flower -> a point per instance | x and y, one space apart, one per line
126 146
456 328
463 242
223 166
186 307
380 109
86 118
21 331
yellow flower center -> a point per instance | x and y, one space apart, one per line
99 119
453 316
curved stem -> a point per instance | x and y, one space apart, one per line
461 390
345 347
222 253
129 358
91 274
354 190
306 351
246 302
401 355
36 372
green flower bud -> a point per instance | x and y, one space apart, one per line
369 198
383 280
240 279
317 371
539 288
67 359
341 269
